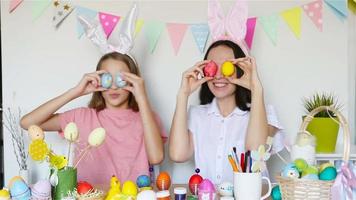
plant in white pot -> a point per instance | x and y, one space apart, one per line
324 125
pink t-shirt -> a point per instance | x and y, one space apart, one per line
123 152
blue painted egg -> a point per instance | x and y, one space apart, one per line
311 177
120 81
290 171
328 174
106 80
276 193
143 181
19 190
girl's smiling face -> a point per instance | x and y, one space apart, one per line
115 97
220 86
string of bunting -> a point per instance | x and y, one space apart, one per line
200 31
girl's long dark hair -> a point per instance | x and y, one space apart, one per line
242 95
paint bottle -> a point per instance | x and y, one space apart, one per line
180 193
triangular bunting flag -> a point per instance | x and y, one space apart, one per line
251 24
61 9
339 7
153 30
38 7
139 24
87 14
352 5
14 4
200 33
108 22
293 19
270 25
176 33
314 11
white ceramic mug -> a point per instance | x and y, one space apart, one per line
249 186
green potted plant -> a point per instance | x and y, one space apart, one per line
324 126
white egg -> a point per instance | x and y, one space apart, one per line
35 132
71 132
146 195
96 137
226 189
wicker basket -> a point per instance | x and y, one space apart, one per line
303 189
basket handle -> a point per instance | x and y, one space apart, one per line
342 121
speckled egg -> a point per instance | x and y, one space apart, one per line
106 80
41 190
328 174
96 137
290 171
226 189
143 181
35 132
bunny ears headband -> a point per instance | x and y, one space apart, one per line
95 32
231 27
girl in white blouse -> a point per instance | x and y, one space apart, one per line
232 114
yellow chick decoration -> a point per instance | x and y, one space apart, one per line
114 188
57 161
38 148
4 194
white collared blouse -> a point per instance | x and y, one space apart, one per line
214 137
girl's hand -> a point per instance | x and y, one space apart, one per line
249 79
190 81
136 85
89 83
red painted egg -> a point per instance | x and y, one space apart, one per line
163 181
194 182
84 187
210 69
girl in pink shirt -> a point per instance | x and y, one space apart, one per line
133 132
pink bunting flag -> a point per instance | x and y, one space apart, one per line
176 34
14 4
251 24
314 11
108 22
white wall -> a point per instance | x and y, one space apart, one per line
40 62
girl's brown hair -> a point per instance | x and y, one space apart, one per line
97 101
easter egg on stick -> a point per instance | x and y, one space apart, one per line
163 181
194 182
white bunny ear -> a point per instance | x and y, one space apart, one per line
216 20
94 31
126 33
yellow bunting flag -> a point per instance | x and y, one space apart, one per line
293 18
139 24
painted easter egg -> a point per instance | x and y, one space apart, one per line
71 132
41 190
324 166
310 170
227 68
143 181
84 187
290 171
120 82
35 132
106 80
328 174
194 182
300 164
129 188
226 189
19 189
163 181
276 193
206 186
96 137
38 150
4 194
210 69
146 195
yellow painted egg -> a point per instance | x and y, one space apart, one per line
227 68
71 132
4 194
38 150
129 188
35 132
96 137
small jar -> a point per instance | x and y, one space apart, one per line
180 193
163 195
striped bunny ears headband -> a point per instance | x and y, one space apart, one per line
231 27
95 32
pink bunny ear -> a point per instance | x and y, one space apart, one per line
216 20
